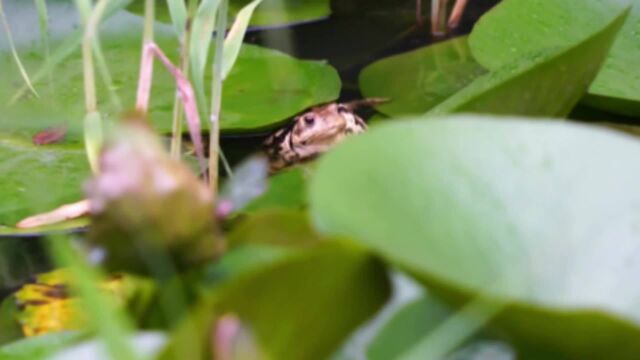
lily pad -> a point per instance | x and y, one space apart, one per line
335 278
418 80
282 12
38 178
516 28
269 13
538 216
547 82
264 88
617 86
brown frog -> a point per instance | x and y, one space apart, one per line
314 132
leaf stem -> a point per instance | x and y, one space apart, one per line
216 98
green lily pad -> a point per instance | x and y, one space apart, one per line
281 12
264 88
334 278
547 82
270 12
538 216
418 80
38 178
516 28
617 86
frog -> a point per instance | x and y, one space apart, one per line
314 132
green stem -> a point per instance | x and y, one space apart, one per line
149 17
178 107
43 19
216 99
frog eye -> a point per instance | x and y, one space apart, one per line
309 119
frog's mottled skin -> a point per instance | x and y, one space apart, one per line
314 132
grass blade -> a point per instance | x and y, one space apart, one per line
14 52
178 13
201 36
233 42
43 19
216 99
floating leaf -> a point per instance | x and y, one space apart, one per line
547 82
38 178
418 80
272 13
515 29
264 88
617 86
536 214
282 12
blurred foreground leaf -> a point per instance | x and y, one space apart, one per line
300 307
538 215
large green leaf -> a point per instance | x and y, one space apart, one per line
264 88
617 86
546 82
301 307
540 216
38 178
517 28
418 80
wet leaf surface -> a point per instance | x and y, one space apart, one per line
517 28
555 239
38 178
545 82
264 88
418 80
